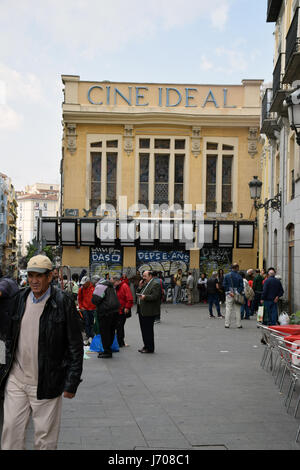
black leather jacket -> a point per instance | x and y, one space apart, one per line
60 346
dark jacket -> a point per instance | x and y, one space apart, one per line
212 286
105 298
60 348
258 283
9 289
272 288
151 305
233 280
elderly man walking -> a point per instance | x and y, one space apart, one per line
148 307
272 290
233 283
44 354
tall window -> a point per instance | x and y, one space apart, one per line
161 182
161 166
178 181
219 175
111 180
103 171
211 183
226 184
95 179
144 179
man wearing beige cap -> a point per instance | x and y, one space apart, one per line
44 354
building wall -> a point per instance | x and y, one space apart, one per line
35 198
221 114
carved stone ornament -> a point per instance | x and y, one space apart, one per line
71 138
128 139
196 141
252 141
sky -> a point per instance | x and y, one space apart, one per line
158 41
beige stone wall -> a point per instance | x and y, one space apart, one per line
222 122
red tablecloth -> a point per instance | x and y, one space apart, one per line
291 329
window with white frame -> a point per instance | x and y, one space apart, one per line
103 170
218 171
161 170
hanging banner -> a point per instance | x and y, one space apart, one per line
106 261
166 262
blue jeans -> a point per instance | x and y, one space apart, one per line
272 311
213 299
245 308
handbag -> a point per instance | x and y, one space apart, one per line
237 297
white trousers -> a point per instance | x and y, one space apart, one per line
232 309
19 402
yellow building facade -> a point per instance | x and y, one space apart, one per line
136 145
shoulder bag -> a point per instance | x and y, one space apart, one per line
238 298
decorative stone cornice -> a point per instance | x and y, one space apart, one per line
128 138
196 141
252 141
71 138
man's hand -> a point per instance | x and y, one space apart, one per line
69 395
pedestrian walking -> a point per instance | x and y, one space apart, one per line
44 355
221 287
75 286
126 302
107 310
272 291
149 298
202 287
213 295
177 287
258 289
233 284
8 289
245 311
190 288
87 308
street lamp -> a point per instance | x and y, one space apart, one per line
293 104
274 203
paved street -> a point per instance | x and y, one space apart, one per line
202 389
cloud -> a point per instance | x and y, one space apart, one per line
205 64
18 86
219 16
88 27
10 120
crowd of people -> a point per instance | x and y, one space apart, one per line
41 326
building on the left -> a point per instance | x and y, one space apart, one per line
8 226
37 200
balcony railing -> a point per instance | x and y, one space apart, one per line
277 74
274 7
292 58
266 104
292 38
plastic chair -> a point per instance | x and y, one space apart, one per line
292 358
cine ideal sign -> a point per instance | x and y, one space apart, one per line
169 97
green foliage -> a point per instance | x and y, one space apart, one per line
295 318
32 250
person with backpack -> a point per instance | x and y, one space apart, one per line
107 310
